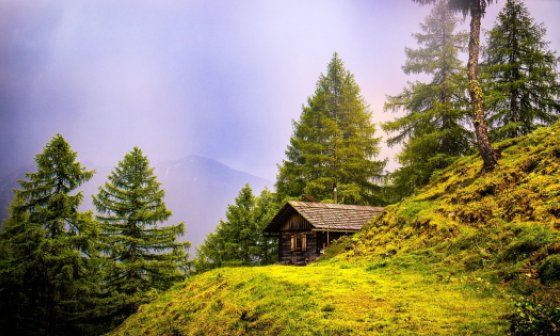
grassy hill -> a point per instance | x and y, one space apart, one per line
451 260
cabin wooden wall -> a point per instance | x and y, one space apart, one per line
296 223
316 241
298 257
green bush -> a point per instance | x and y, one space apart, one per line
549 270
531 318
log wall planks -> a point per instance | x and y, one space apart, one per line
295 227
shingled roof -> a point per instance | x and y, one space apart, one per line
325 216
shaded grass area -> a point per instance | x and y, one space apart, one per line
322 299
451 260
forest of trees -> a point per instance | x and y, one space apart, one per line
456 113
332 154
68 272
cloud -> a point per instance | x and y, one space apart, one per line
223 79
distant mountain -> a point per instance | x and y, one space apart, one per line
198 190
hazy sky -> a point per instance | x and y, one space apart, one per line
222 79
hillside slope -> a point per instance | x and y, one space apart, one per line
448 261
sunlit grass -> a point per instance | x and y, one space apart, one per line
447 261
323 299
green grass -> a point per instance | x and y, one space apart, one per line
323 299
447 261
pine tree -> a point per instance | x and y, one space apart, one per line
232 241
476 9
432 128
520 74
239 239
266 249
48 249
143 256
333 144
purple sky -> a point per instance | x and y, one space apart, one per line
222 79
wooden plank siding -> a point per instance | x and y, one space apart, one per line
316 225
298 226
296 223
298 256
315 241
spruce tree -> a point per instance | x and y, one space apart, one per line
143 256
333 145
432 128
239 239
520 74
476 9
48 249
266 207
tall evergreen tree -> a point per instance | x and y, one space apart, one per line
432 128
239 239
143 255
266 207
476 9
47 249
520 74
333 145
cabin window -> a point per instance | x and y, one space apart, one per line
299 242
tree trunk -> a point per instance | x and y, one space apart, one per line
514 107
514 99
488 154
133 253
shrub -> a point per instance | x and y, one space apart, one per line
549 270
531 318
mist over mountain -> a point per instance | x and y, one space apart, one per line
198 190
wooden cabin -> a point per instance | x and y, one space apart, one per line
304 229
